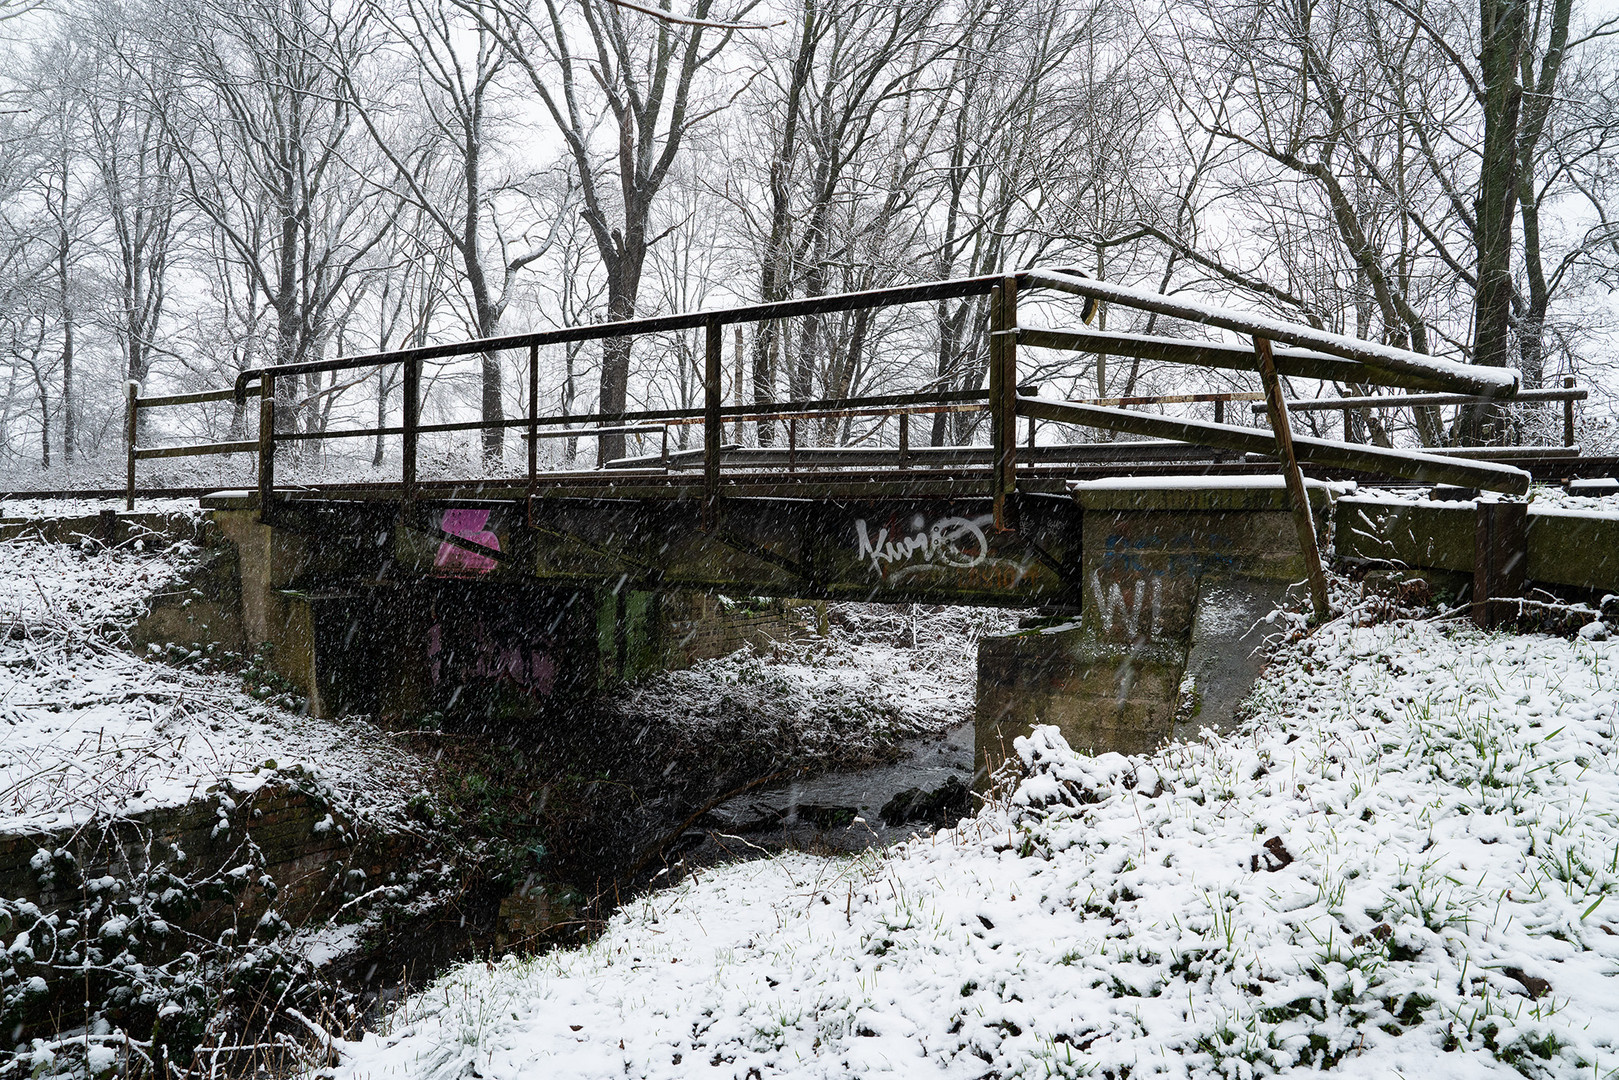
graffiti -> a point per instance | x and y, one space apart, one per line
1189 553
484 656
457 561
953 543
1111 604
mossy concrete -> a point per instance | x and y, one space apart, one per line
1176 577
1573 549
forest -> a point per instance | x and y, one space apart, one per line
193 188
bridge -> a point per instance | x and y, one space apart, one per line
557 564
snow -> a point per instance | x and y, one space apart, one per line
881 674
1541 497
1415 833
27 507
86 727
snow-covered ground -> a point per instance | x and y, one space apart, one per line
86 727
1404 866
882 673
27 507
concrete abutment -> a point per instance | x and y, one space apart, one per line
1178 580
326 618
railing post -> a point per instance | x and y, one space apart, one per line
1297 495
1003 396
1219 410
131 427
904 440
533 416
792 443
713 357
266 443
410 405
1568 413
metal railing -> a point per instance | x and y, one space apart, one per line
1313 354
135 405
1568 395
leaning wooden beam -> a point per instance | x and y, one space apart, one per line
1296 494
1426 468
1294 363
1461 378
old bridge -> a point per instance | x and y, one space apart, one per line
1150 558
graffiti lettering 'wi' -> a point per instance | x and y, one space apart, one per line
951 543
470 525
1111 606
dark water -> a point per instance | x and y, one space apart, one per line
843 811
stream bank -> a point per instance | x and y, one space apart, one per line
244 850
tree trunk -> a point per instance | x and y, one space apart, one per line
1502 25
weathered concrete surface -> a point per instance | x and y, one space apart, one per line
1227 652
362 616
1576 549
1176 576
927 550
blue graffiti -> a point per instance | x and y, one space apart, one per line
1132 554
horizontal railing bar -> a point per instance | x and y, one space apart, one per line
585 433
781 309
1294 363
826 407
1504 453
199 398
1462 378
340 433
197 450
834 414
810 458
1408 464
1412 401
1173 399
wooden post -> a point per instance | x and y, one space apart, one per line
1568 413
1003 396
1500 559
1219 410
533 416
266 444
739 380
712 431
410 400
792 444
131 427
904 440
1297 495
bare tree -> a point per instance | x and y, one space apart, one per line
443 168
131 108
637 74
270 152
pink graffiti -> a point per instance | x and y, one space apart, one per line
531 669
471 525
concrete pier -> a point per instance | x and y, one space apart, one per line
1178 576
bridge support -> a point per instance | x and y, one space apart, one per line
326 600
1178 580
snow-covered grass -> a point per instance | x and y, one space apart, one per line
86 727
881 673
1404 866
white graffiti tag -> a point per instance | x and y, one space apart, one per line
1110 604
952 542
